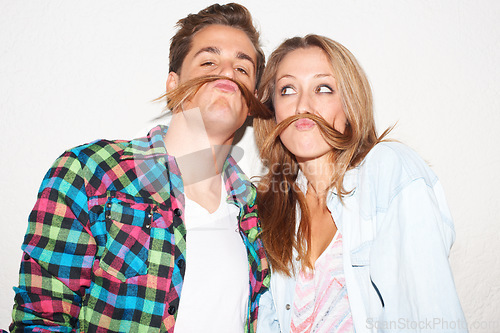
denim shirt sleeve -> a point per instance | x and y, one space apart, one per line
267 320
409 259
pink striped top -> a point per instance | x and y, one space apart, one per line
321 303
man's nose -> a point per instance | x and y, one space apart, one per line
226 69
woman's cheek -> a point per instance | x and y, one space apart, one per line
282 110
286 138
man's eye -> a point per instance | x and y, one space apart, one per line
207 63
242 70
324 89
287 91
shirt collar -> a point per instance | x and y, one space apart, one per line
350 182
236 182
332 199
301 182
147 147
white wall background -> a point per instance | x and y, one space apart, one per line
75 71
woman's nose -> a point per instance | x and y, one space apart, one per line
304 104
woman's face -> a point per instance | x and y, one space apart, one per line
305 83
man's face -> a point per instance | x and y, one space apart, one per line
219 50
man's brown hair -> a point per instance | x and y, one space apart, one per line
231 14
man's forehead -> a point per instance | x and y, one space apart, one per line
221 39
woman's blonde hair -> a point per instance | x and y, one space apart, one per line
278 194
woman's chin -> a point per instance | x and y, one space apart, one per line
304 155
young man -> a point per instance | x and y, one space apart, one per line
122 229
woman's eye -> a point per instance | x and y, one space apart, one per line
287 91
324 89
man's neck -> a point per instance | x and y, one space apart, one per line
194 148
199 156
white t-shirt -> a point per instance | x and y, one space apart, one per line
215 292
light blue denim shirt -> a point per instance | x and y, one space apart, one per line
397 233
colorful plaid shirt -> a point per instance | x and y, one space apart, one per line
105 249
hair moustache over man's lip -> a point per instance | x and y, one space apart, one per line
227 86
185 91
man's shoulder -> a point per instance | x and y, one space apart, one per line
99 150
100 156
105 149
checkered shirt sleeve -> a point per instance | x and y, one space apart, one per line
59 251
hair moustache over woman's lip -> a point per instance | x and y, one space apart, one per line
333 137
304 124
185 91
306 118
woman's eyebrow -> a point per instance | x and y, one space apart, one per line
286 76
315 76
323 75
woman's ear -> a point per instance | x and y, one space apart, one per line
172 81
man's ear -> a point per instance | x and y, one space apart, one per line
172 81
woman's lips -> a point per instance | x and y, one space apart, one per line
226 86
304 124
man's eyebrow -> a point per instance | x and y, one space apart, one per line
245 56
215 50
209 49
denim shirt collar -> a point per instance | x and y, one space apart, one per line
350 183
333 203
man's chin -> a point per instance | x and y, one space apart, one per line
226 105
222 122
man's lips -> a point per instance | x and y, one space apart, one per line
304 124
226 86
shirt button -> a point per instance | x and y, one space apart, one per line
108 205
148 226
177 212
287 306
171 310
181 263
108 214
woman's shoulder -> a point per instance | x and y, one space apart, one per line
397 162
392 151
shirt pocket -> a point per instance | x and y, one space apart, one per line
360 260
128 223
360 256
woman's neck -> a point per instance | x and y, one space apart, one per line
318 173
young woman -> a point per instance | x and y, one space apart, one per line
356 228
